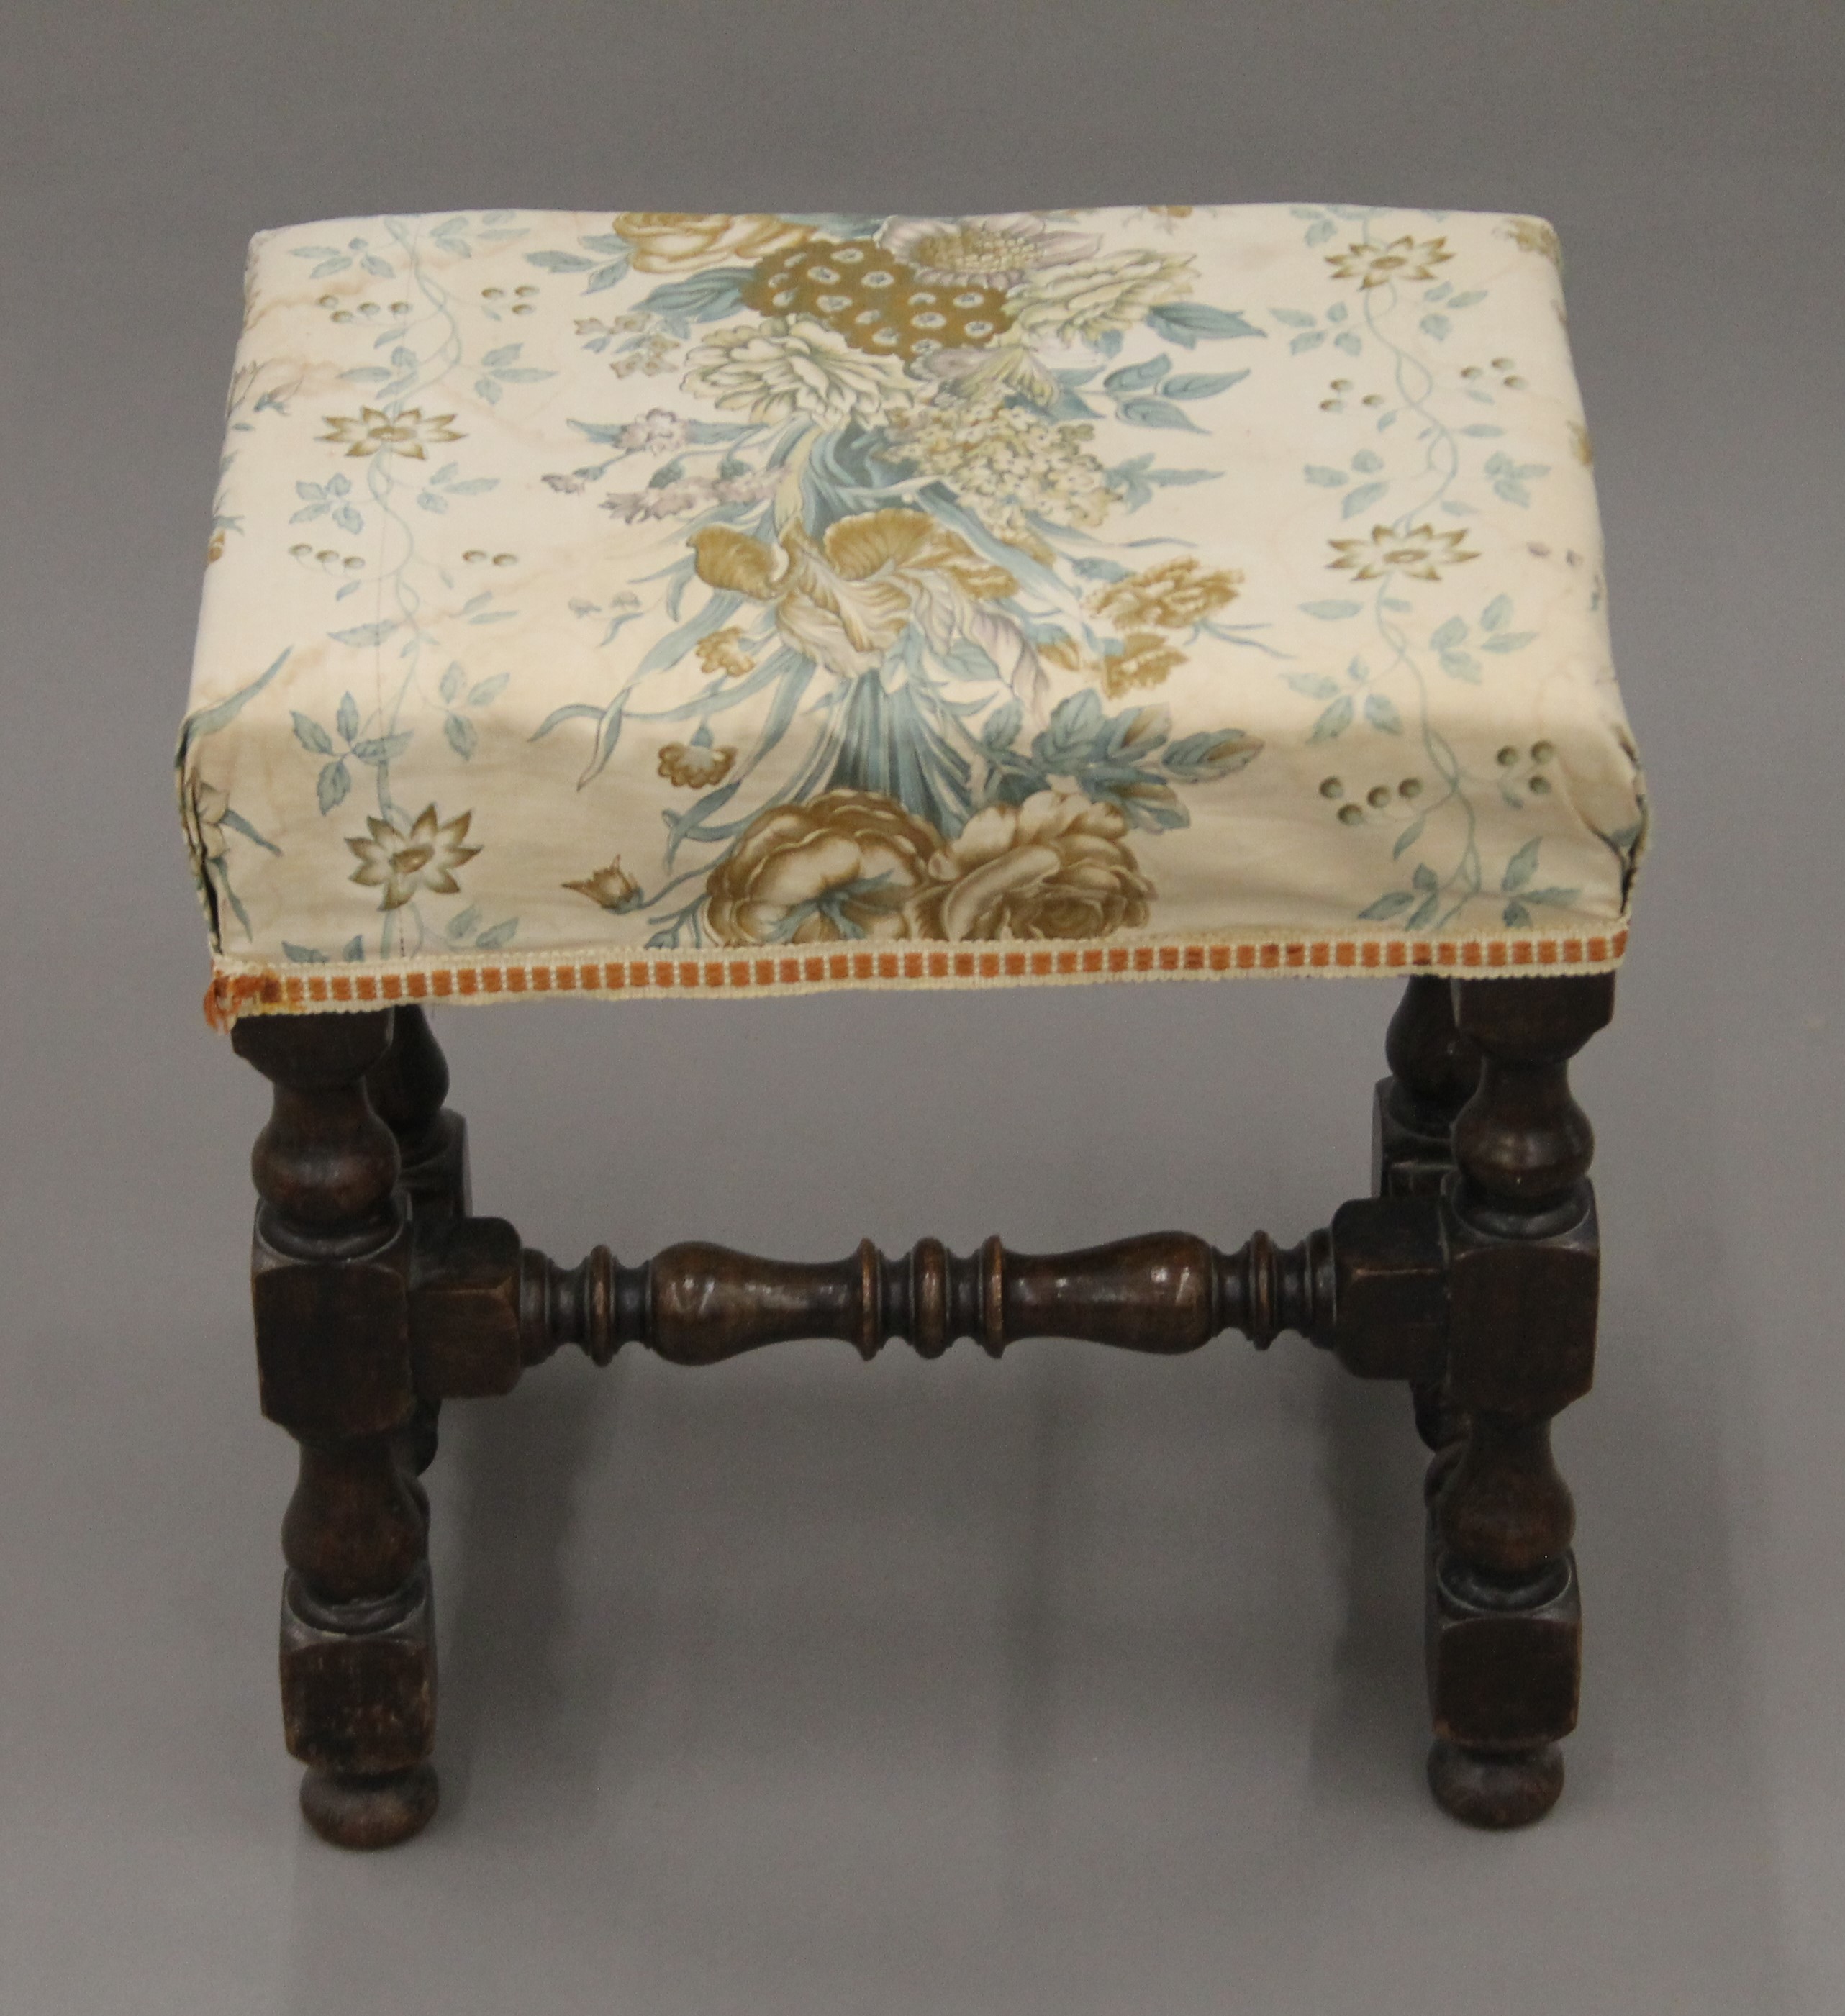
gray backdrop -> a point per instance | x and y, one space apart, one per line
1077 1683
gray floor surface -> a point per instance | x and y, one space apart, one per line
1074 1683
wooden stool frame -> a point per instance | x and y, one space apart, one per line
1471 1274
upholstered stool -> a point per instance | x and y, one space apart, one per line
737 606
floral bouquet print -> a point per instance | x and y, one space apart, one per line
1223 584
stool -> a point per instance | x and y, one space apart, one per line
736 606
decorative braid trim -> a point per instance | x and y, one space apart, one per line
242 988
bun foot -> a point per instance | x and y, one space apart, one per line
1486 1788
369 1813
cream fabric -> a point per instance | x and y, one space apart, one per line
662 602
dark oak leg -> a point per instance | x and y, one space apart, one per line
407 1087
1434 1071
329 1277
1504 1622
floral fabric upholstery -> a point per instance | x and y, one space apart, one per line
644 602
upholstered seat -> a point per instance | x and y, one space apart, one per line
747 603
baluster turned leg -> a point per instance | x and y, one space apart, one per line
330 1285
407 1087
1433 1071
1504 1621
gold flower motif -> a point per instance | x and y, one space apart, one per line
845 865
722 652
214 546
844 599
1144 660
611 888
1580 446
1421 552
1402 259
1532 234
1173 596
653 356
1054 867
875 301
401 861
372 432
695 766
671 241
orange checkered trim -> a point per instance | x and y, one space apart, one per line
239 989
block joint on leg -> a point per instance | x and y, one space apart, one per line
330 1287
1505 1630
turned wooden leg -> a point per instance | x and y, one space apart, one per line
407 1087
1434 1071
329 1284
1504 1623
